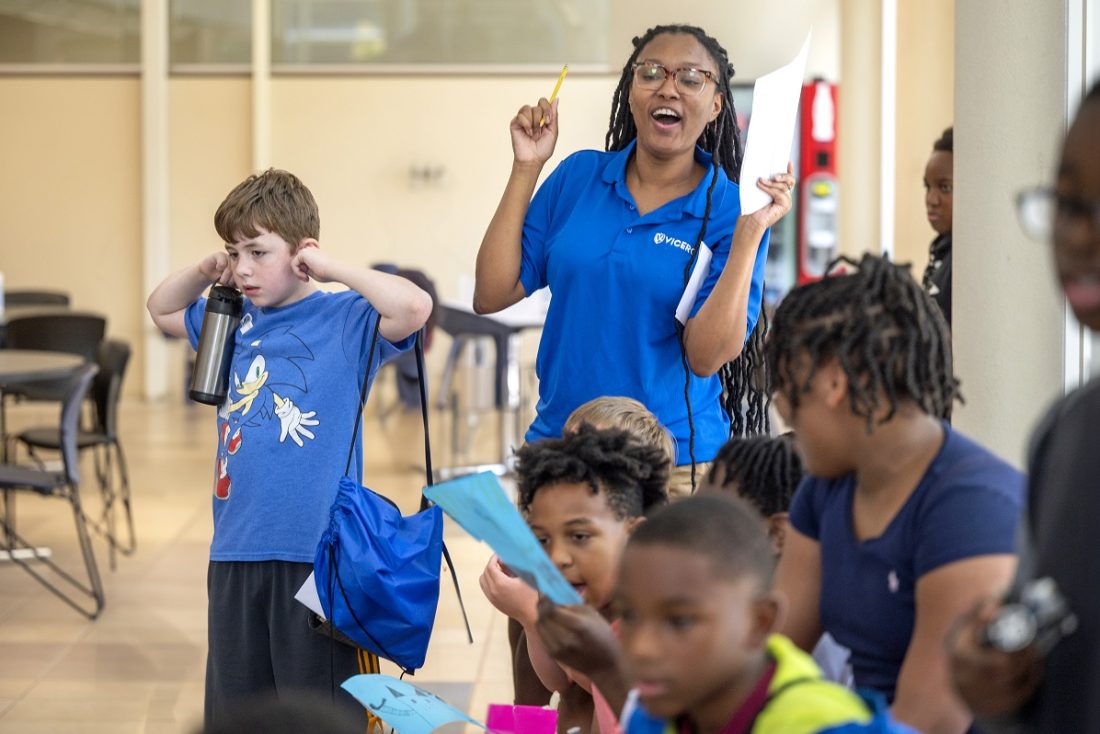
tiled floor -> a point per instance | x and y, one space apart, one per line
139 667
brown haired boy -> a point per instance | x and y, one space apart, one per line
299 360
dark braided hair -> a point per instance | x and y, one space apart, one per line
722 139
885 331
633 476
766 470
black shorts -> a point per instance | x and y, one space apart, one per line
261 643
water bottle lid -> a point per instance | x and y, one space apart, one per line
225 299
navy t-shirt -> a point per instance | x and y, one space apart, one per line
616 277
285 427
967 504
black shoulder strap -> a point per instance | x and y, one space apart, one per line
418 348
363 396
429 474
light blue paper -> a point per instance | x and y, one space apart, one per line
478 503
403 706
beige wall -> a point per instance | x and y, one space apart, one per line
858 124
1010 102
354 141
208 154
70 183
925 106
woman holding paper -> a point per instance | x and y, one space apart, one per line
617 236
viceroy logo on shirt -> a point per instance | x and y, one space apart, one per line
661 238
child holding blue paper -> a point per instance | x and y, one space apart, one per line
582 495
611 411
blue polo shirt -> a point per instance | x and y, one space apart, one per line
616 277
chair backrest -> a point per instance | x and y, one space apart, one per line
36 298
78 386
72 332
112 358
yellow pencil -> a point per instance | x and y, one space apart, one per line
553 94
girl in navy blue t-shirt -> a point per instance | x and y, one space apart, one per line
902 523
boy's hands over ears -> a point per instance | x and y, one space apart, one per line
215 268
310 262
509 593
578 637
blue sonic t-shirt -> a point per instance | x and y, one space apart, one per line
967 504
616 277
284 430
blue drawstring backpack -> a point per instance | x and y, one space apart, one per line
377 572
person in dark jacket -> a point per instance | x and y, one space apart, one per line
938 188
1059 691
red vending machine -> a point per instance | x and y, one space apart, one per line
818 190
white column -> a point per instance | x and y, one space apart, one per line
888 123
154 179
261 84
1008 314
1083 70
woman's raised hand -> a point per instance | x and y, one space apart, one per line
535 132
779 187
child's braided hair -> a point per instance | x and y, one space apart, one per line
766 470
885 331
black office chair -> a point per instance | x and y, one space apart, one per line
35 298
72 332
64 485
103 439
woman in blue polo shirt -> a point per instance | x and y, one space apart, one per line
616 234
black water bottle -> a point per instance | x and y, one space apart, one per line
210 378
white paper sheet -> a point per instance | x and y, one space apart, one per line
771 128
695 282
307 595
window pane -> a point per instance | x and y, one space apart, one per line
70 31
211 32
439 31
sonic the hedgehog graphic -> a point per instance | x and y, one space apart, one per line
261 395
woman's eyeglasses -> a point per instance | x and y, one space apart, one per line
688 81
1041 211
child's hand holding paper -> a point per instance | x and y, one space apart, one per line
509 593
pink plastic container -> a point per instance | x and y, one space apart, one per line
505 719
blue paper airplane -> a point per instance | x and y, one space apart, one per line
478 503
403 706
